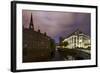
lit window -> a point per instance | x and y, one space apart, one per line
80 40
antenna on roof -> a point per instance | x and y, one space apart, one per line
38 28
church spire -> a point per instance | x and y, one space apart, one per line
31 26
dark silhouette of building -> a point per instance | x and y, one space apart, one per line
37 46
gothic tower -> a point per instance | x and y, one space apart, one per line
31 26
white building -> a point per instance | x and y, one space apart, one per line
77 40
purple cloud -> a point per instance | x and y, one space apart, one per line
57 24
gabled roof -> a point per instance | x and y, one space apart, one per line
76 32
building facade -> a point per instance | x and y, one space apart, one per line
77 40
37 46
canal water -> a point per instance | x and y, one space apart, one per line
57 56
79 56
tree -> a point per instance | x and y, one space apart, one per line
65 43
52 43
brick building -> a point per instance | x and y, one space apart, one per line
37 46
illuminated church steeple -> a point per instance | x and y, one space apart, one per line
31 25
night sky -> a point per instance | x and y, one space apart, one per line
57 24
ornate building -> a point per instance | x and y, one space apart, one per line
76 40
37 46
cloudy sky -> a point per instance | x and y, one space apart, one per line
57 24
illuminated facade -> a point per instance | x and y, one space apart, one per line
77 40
